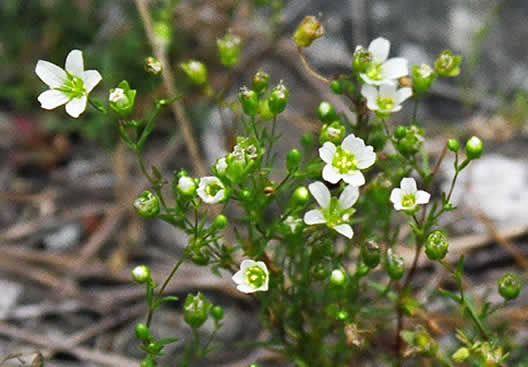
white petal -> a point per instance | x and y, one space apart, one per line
244 288
366 158
91 79
369 81
388 91
74 63
372 105
51 99
353 144
369 92
408 185
321 193
395 68
76 106
264 287
355 178
345 230
262 265
327 152
239 277
348 197
246 264
314 216
380 48
403 94
396 108
396 196
50 74
422 197
330 174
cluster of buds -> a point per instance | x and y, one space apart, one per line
253 100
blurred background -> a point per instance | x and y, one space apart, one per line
68 232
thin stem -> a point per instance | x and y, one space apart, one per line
415 111
309 68
270 141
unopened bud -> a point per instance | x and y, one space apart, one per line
474 148
308 31
141 274
362 59
229 50
153 66
509 286
278 99
196 71
147 205
249 101
448 64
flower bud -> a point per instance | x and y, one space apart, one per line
423 78
411 142
509 286
122 99
371 254
148 362
362 59
336 87
249 101
474 148
218 313
307 141
362 270
187 186
436 246
143 333
320 271
338 277
196 71
141 274
196 310
278 99
147 205
425 343
246 195
293 160
308 31
394 265
447 64
453 145
400 132
300 196
220 221
334 133
342 316
153 66
327 112
229 50
200 254
461 355
260 82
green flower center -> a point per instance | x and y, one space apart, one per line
386 104
213 188
73 87
256 276
335 215
344 161
375 71
409 201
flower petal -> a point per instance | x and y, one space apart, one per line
369 92
50 74
314 216
403 94
246 264
75 63
422 197
395 68
388 91
345 230
320 192
239 277
244 288
366 158
327 152
348 197
353 144
355 178
91 79
380 48
330 174
408 185
76 106
396 196
51 99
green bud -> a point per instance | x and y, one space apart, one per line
301 195
461 355
186 186
307 142
400 132
200 255
246 195
278 99
336 87
447 64
218 313
509 286
453 145
229 50
260 82
308 31
411 142
362 59
196 310
147 205
371 254
220 221
249 101
141 274
327 112
474 148
349 87
196 71
143 332
148 362
153 66
293 160
362 270
334 133
320 271
426 344
338 277
423 78
436 246
122 99
342 316
394 265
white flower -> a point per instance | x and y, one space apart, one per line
186 185
211 190
117 95
70 86
253 276
384 70
335 213
293 223
386 99
346 161
407 197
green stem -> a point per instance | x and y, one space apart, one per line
270 141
